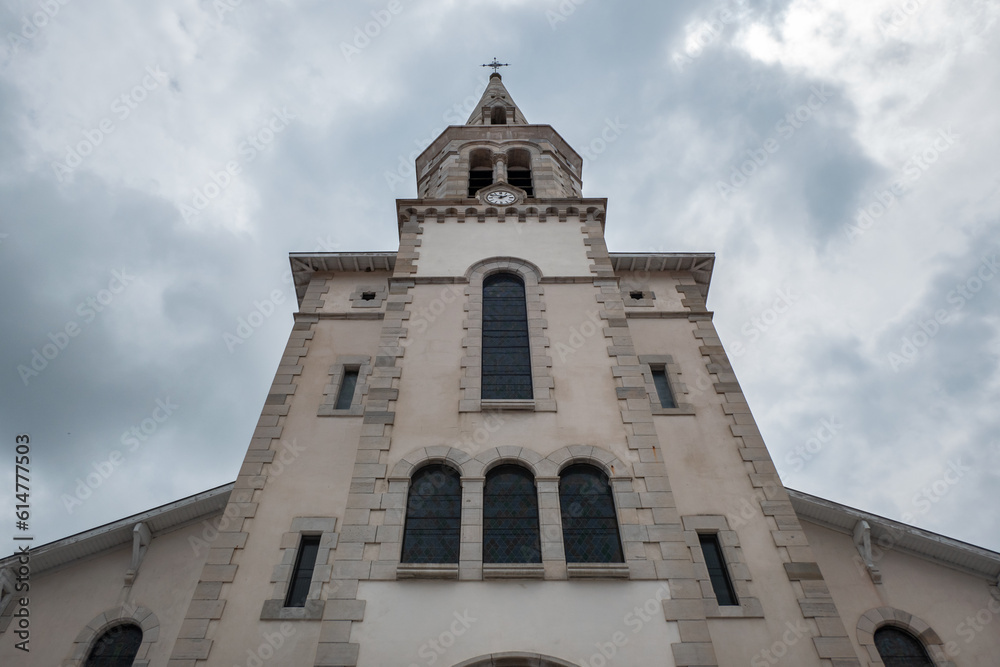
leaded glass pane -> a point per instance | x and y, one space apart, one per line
900 649
433 516
510 517
506 352
116 648
590 525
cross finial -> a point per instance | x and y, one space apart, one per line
496 65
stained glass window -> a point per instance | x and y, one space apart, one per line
302 575
506 352
116 648
433 516
900 649
717 572
510 517
590 525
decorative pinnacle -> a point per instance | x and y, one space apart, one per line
496 65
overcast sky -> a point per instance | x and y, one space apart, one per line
840 158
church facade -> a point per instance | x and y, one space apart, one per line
504 444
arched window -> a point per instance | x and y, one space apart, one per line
900 649
590 525
433 516
117 647
498 116
506 350
519 170
510 517
480 170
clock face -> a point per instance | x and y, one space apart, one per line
501 197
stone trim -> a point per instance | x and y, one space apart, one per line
312 300
349 362
275 609
266 445
677 387
815 602
378 293
739 570
137 615
657 548
873 619
472 358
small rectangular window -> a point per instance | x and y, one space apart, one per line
305 563
346 395
717 571
663 388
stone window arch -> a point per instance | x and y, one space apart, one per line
127 615
541 363
874 620
115 647
515 659
480 170
519 170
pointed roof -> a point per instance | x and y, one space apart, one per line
496 95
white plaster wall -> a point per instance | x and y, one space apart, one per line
567 620
449 248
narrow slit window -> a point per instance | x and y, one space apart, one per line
305 563
717 572
347 386
663 388
506 347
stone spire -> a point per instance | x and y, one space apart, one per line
496 106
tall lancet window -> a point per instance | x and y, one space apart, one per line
510 517
433 516
480 170
117 647
506 350
590 525
519 170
